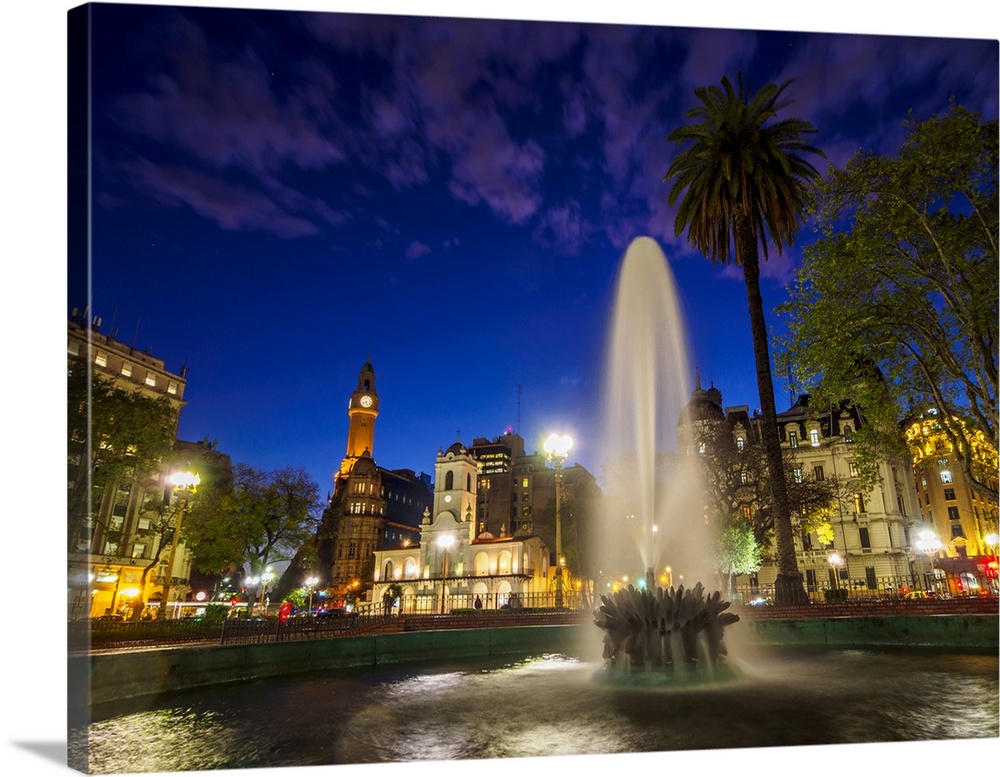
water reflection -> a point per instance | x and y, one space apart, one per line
549 705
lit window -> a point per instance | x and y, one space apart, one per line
150 379
793 439
172 387
743 478
798 474
818 472
746 512
740 442
814 437
701 448
942 462
854 469
859 502
74 349
524 483
945 476
949 493
127 370
101 360
848 434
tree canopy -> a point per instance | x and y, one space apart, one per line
896 306
257 519
114 435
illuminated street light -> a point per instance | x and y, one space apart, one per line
929 545
557 447
835 561
311 582
185 483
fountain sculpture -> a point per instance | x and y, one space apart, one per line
648 628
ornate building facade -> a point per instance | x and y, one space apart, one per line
453 565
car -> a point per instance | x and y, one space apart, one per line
114 618
921 595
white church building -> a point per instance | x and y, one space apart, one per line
453 568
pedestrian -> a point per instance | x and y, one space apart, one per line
478 604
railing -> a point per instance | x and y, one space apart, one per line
440 603
98 635
926 586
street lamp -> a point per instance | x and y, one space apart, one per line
835 561
929 545
311 582
184 482
444 542
557 446
265 578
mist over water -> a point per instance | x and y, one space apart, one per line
655 515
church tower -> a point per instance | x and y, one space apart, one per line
362 412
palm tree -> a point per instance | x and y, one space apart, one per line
745 183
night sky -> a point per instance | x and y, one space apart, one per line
278 197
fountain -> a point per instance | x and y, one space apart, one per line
646 627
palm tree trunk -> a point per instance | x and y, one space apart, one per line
788 587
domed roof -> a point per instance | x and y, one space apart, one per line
704 405
456 448
364 465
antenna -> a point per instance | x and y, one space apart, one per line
136 335
519 392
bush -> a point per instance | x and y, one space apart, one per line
215 612
835 594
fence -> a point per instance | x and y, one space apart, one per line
427 604
939 585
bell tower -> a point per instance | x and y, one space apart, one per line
362 412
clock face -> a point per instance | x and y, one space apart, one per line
366 401
447 498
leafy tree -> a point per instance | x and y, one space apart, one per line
745 184
257 519
737 551
114 436
896 304
737 481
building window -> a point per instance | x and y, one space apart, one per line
797 472
701 448
743 478
814 437
172 387
740 442
101 359
818 472
848 434
853 466
945 476
859 502
956 531
949 493
524 482
952 513
150 379
865 539
746 512
127 370
942 463
793 439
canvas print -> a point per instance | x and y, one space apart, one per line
448 389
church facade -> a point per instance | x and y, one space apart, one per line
453 567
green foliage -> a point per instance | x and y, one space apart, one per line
736 550
835 594
256 519
118 435
896 306
215 612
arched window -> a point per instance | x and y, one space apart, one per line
468 482
449 481
387 572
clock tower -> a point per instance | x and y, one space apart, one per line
362 411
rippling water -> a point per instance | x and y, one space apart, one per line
548 705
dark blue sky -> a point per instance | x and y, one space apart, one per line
278 196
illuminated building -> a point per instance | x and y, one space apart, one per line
119 555
959 516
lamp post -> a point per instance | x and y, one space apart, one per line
265 578
557 447
184 482
311 582
444 542
835 561
251 584
929 545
